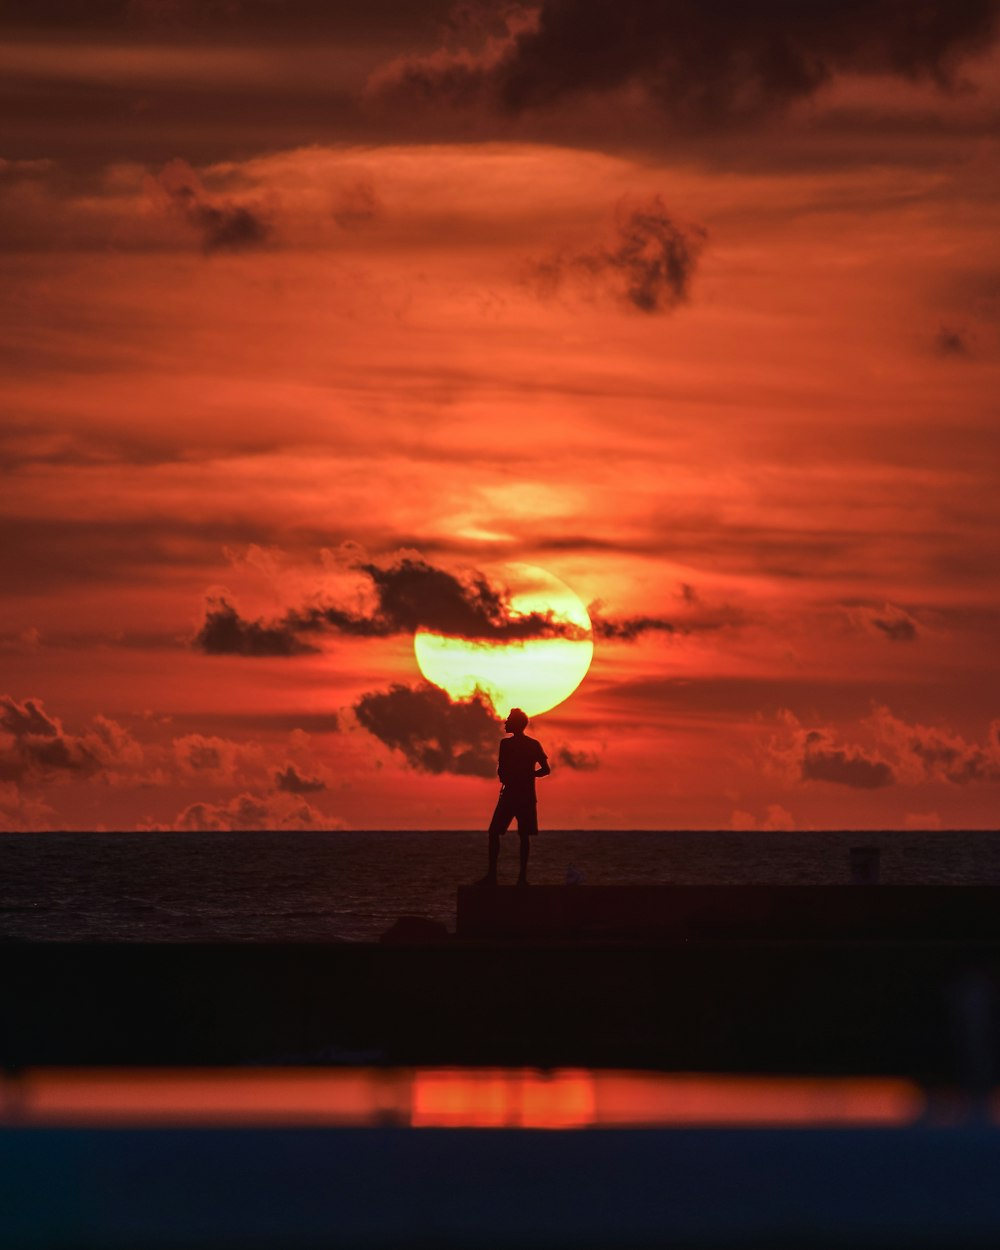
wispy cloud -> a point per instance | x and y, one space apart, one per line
223 225
290 780
649 267
938 753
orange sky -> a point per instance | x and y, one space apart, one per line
699 313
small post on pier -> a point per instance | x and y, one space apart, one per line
865 865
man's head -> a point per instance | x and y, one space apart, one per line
516 722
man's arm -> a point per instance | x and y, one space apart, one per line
543 769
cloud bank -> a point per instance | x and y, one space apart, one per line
406 595
253 811
34 746
700 65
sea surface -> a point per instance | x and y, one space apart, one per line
351 886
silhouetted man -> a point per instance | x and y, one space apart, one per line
521 761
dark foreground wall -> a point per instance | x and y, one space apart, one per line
918 1009
837 913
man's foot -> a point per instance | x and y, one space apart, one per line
522 879
490 879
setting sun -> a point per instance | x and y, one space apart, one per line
537 674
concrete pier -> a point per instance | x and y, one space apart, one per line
745 912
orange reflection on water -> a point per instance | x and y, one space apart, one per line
208 1096
450 1098
459 1098
579 1099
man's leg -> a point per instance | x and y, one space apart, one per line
502 817
527 824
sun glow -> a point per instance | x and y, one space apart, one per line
535 675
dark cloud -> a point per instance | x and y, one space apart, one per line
265 76
413 593
951 342
698 63
842 766
649 267
224 225
701 64
57 755
580 761
225 632
433 733
897 628
409 594
227 227
292 782
628 629
34 745
695 618
25 718
884 621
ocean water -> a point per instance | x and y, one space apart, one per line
351 886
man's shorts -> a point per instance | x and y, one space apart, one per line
510 806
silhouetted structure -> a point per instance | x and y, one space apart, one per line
864 861
521 761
